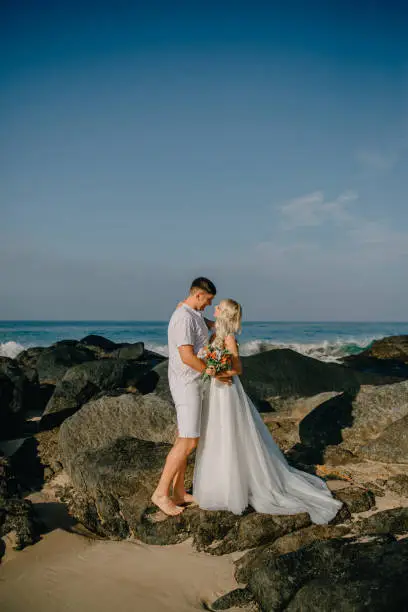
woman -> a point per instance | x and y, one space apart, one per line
238 463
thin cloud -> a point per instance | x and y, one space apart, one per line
312 210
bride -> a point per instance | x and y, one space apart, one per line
238 464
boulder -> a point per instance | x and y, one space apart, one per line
101 421
398 484
287 543
157 380
11 369
9 419
387 356
132 351
394 520
356 499
355 420
27 360
54 361
49 452
391 446
14 397
113 485
85 381
255 529
16 514
99 344
338 573
284 373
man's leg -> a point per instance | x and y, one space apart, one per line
180 495
175 463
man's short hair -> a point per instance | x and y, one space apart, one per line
203 284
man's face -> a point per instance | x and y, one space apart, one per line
204 299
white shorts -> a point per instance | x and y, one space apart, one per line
188 399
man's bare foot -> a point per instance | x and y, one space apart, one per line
166 505
185 498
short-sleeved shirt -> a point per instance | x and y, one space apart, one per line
186 326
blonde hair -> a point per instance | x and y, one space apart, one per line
228 321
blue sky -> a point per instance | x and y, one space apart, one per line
262 145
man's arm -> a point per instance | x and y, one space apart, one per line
189 358
209 324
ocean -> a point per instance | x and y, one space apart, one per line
324 341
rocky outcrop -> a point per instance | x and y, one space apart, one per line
14 396
101 421
391 446
87 380
338 573
283 374
356 421
388 356
16 514
356 499
53 362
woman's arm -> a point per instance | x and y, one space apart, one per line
232 346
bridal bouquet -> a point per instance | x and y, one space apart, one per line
218 360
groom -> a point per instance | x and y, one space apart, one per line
187 334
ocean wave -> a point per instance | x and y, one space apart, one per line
11 349
328 350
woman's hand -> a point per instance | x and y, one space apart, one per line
211 371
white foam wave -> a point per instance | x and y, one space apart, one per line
162 349
11 349
328 350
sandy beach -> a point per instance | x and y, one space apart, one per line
66 571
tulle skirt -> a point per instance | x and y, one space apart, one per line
238 464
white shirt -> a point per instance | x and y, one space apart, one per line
186 326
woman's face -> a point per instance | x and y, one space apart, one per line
217 311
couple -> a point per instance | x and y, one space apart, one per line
238 464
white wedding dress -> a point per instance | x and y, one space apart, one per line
238 464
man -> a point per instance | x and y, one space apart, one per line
187 334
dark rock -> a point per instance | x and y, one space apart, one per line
387 356
9 419
240 598
391 446
16 514
324 425
393 521
11 369
103 345
288 543
399 484
133 351
352 421
157 380
335 573
48 452
336 455
26 465
115 483
376 487
100 422
54 361
288 374
356 498
27 360
256 529
85 381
